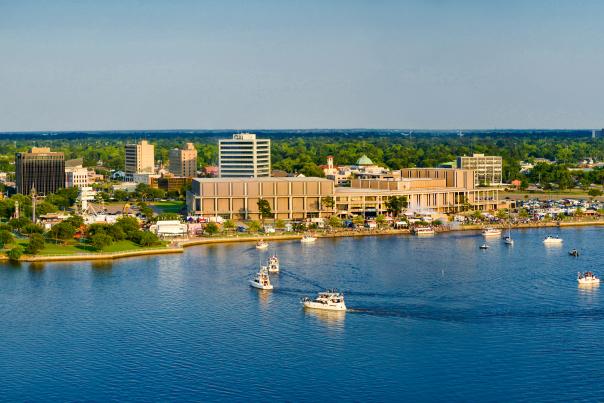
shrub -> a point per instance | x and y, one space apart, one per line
100 241
6 237
35 245
15 253
148 239
211 228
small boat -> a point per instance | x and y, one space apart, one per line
508 240
422 231
484 246
261 244
552 240
308 239
574 253
487 232
273 264
330 300
587 278
261 280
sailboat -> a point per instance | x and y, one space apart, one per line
508 238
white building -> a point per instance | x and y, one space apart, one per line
140 158
244 156
76 176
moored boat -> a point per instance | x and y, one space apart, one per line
588 278
308 239
484 246
423 231
574 253
552 240
331 300
261 280
508 240
491 232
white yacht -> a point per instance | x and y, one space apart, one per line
308 239
552 240
422 231
273 264
330 300
261 244
588 278
508 240
261 280
491 232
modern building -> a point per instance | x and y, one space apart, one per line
183 161
40 169
140 158
426 190
75 174
244 156
488 168
237 198
171 183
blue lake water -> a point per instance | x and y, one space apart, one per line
431 319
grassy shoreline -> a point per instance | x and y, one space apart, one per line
180 245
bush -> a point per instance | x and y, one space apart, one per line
35 245
148 239
18 223
6 237
15 253
32 228
211 228
100 241
594 192
63 231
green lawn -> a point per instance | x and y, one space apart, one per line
172 206
74 247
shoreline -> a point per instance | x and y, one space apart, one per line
181 245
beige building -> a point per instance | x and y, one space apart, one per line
244 156
289 198
488 168
183 161
140 158
432 189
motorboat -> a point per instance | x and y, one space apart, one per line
331 300
261 280
423 231
261 244
273 264
552 240
588 278
574 253
487 232
508 240
484 246
308 239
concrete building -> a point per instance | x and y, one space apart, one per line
237 198
39 168
432 189
140 158
183 161
488 168
363 168
76 174
244 156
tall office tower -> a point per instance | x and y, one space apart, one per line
183 161
40 169
244 156
140 158
488 169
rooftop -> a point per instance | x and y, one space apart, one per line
268 179
364 160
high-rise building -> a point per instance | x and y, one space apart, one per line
183 161
40 169
488 169
140 158
244 156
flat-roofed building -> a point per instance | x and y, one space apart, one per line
183 161
244 156
488 168
289 198
40 169
140 158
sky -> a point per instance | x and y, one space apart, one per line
416 64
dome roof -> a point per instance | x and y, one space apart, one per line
364 160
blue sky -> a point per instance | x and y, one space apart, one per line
432 64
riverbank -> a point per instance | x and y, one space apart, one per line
178 246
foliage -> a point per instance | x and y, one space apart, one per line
35 244
147 238
15 253
100 241
594 192
396 204
328 202
358 220
18 223
264 208
334 221
279 224
380 220
32 228
6 237
229 225
211 228
254 226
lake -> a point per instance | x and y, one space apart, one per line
429 319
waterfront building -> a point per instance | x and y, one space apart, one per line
488 168
40 169
140 158
183 161
426 189
244 156
237 198
363 168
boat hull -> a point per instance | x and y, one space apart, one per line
325 307
260 286
583 281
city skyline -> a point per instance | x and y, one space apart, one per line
200 65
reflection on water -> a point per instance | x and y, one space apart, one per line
428 317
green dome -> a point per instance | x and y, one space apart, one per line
364 160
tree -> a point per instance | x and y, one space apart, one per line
15 253
211 228
75 220
594 192
358 220
396 204
502 214
523 213
328 202
148 239
18 223
6 237
35 245
100 241
264 208
62 231
254 226
229 225
334 221
280 224
380 220
32 228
